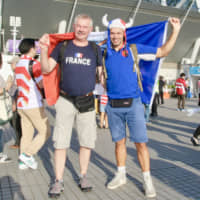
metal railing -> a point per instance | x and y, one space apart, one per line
179 4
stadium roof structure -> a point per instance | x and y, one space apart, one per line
44 16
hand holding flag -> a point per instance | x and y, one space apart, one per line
44 42
175 23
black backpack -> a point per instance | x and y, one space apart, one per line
30 69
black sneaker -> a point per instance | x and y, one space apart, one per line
194 141
56 189
154 114
84 185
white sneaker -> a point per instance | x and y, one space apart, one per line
28 160
118 180
4 158
22 166
149 189
190 112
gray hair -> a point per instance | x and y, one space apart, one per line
83 16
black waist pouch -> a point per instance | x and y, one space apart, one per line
121 103
84 103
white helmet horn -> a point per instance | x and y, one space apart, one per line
105 21
130 23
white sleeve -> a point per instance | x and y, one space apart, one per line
147 57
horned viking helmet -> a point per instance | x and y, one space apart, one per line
116 23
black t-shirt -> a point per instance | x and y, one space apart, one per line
79 68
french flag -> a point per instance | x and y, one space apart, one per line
153 34
78 55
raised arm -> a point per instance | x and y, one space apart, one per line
47 64
168 46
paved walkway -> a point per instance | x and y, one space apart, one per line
175 164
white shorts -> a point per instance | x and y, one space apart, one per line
66 115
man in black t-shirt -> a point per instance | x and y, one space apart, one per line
79 68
